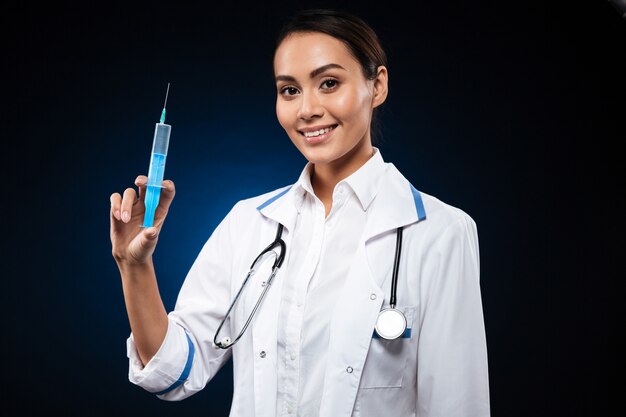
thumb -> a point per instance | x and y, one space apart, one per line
147 240
151 233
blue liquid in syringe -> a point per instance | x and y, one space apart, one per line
153 190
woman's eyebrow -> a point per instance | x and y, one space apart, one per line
313 73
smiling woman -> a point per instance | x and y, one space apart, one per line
370 303
325 103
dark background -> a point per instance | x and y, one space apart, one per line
512 111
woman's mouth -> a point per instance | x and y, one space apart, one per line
318 136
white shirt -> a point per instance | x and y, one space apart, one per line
321 254
438 369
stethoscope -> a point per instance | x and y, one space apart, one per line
390 324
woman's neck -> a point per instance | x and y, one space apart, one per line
324 177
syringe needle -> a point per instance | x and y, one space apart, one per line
166 94
162 120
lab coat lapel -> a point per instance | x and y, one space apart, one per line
354 317
281 208
396 205
264 328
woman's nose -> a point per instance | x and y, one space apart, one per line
310 107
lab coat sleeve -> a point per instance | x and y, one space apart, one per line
452 375
165 367
186 360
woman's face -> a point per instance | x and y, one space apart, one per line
324 102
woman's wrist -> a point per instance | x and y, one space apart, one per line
134 269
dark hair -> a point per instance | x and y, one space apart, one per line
357 35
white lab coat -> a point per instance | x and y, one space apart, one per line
439 371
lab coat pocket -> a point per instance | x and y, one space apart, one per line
386 359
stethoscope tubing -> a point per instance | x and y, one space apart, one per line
394 275
278 241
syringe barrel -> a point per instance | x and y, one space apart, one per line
156 172
161 138
159 152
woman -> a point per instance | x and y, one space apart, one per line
350 223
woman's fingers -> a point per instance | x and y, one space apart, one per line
122 206
116 202
167 194
130 196
131 243
141 182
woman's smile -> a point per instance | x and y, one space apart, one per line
316 134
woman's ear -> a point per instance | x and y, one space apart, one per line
381 87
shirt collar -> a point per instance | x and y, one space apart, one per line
363 182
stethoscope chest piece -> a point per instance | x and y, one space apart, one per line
391 324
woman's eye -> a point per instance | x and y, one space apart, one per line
289 91
329 84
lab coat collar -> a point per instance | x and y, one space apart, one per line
364 181
393 202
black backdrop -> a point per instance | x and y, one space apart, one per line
512 111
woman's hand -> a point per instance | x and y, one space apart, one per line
133 244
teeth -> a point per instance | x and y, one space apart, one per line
318 132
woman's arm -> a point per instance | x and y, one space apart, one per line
132 249
185 360
146 312
452 377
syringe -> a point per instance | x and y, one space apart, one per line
157 165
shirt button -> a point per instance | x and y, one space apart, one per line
340 190
262 354
290 409
372 296
349 369
293 356
299 304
